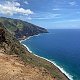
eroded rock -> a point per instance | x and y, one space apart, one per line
2 35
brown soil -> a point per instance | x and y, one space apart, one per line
12 68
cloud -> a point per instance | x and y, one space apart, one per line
29 18
12 4
11 8
26 2
38 18
46 16
67 24
73 3
24 17
56 9
10 0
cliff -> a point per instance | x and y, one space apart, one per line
21 29
16 63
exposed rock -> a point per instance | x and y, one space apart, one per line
2 35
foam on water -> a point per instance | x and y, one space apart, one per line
28 38
53 62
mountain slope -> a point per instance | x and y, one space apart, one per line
15 61
11 46
21 29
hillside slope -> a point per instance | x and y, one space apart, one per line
13 68
11 46
21 29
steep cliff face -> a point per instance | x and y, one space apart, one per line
15 61
11 46
2 35
8 41
21 29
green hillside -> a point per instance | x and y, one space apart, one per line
21 28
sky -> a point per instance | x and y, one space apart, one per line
50 14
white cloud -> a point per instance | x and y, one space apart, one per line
29 18
46 16
24 17
56 9
73 3
11 8
40 18
26 2
12 4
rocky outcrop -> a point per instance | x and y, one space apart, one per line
2 35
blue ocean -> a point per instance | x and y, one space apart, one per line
61 46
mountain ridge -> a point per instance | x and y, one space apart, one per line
21 29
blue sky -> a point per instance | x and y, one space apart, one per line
56 14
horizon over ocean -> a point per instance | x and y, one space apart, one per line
61 46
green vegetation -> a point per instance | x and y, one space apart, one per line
13 46
21 28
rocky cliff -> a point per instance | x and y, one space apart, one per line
16 63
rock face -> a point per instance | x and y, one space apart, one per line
2 35
21 28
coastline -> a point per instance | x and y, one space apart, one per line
70 77
28 38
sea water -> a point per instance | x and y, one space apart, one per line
61 46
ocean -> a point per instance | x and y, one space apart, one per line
61 47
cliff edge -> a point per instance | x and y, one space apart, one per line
16 63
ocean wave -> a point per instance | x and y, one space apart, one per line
25 39
53 62
29 38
